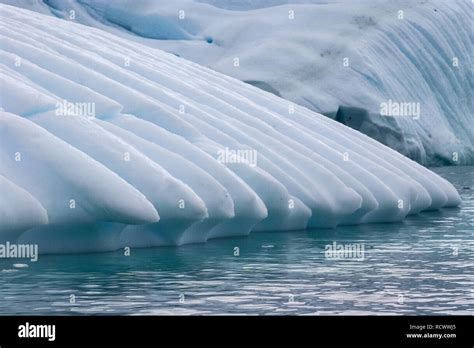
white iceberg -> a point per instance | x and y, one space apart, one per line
108 143
347 59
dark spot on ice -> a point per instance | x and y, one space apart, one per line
209 40
363 21
383 129
325 53
264 86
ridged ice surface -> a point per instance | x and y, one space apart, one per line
323 54
167 152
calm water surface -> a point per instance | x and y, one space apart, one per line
424 265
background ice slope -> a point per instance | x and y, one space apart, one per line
145 169
403 60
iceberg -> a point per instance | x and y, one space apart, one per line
107 143
344 59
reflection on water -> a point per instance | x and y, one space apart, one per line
424 265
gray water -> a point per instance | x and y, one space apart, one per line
424 265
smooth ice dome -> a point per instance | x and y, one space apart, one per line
109 143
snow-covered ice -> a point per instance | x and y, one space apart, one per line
107 143
343 58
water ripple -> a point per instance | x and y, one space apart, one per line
421 266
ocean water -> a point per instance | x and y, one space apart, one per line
424 265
